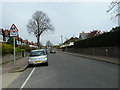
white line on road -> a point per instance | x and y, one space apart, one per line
27 79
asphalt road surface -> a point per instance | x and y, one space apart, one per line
69 71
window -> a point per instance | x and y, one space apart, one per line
37 53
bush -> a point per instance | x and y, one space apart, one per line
7 49
33 48
17 49
27 48
23 50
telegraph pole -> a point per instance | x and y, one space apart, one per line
61 39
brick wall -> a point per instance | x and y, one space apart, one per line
100 51
9 57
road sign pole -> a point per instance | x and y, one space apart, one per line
13 33
14 54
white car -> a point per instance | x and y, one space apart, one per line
52 51
38 57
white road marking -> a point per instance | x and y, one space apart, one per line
27 79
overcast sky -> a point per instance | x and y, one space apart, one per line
68 19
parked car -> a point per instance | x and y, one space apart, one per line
38 57
45 50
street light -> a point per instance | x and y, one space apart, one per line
61 39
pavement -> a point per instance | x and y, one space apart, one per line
113 60
69 71
20 65
9 74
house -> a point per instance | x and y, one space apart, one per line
36 45
1 36
19 40
24 42
31 44
83 35
69 42
6 35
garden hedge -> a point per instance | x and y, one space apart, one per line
8 49
106 39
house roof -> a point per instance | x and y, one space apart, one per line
1 29
83 35
6 32
32 43
20 38
25 41
36 44
17 38
29 42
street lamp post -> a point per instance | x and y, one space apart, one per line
61 39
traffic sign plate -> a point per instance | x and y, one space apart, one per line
13 30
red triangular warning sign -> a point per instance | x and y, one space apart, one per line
13 28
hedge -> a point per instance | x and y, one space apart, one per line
17 49
105 39
8 49
27 47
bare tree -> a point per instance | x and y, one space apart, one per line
114 8
38 24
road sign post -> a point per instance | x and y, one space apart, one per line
14 54
14 33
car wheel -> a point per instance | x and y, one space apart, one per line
46 64
29 65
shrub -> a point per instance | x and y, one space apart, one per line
23 50
7 49
33 48
17 49
26 47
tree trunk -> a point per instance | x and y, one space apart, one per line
38 42
38 38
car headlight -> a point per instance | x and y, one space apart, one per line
29 60
44 59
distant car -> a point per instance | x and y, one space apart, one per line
38 57
52 51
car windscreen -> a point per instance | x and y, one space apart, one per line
37 53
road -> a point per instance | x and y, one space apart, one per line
69 71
